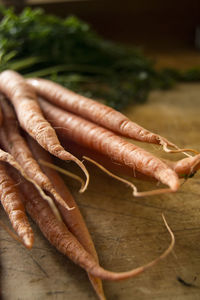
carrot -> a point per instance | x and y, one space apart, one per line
18 147
73 219
90 135
11 233
65 242
127 182
186 166
80 151
31 118
13 206
183 167
7 157
98 113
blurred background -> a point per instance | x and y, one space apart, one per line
167 30
135 21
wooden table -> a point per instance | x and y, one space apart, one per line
127 232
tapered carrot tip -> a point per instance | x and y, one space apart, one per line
187 165
98 287
28 240
109 275
66 156
170 178
134 188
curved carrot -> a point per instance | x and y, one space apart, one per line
17 146
31 118
90 135
73 219
98 113
65 242
186 166
13 206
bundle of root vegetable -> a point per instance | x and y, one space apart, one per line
29 183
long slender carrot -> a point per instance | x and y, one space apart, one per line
73 219
31 118
13 206
106 142
80 151
183 167
65 242
98 113
19 149
7 157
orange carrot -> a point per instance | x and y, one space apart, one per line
17 146
31 118
73 219
90 135
98 113
183 167
65 242
186 166
7 157
80 151
11 233
13 206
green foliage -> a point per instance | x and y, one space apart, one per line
71 53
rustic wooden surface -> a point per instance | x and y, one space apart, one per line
127 232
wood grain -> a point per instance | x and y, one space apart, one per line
127 232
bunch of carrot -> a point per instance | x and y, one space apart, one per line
33 112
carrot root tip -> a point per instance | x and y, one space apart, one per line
28 242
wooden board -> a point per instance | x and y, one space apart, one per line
127 232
